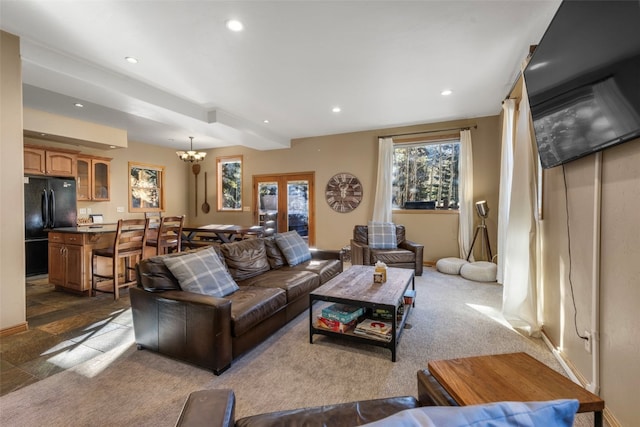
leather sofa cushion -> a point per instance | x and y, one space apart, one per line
325 268
274 254
251 305
245 258
294 283
156 277
342 414
392 256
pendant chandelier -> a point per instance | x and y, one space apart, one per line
191 156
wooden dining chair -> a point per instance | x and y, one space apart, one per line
128 245
168 236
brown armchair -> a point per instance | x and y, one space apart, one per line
408 254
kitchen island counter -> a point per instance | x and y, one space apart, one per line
70 251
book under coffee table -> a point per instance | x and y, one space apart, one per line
355 287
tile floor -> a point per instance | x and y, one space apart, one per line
64 330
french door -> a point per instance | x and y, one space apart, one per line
290 198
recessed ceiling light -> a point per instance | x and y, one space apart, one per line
235 25
446 92
131 59
336 109
77 104
265 121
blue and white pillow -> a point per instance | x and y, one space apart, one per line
552 413
382 235
203 273
293 247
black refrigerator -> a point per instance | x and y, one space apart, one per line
49 202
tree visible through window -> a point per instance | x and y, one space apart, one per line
425 175
229 183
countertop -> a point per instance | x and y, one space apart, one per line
89 229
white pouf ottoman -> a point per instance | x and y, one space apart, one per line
450 265
481 271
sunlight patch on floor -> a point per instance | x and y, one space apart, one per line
95 347
95 366
492 313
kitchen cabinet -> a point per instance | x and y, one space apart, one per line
93 178
70 258
44 161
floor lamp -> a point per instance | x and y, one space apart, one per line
483 211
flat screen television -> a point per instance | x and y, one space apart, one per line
583 80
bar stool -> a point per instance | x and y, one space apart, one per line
168 237
154 224
129 243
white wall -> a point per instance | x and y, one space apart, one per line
619 271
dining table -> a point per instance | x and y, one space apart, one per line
203 235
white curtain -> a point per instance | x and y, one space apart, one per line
519 305
382 206
465 189
506 176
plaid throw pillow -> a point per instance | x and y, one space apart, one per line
203 273
382 235
294 249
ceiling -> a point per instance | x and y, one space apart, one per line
384 63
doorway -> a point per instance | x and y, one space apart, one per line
288 197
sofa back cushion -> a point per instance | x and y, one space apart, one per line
202 272
245 258
294 248
154 276
274 254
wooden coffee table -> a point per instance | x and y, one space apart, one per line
355 287
510 377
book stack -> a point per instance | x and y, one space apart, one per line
339 317
373 328
342 312
335 325
387 315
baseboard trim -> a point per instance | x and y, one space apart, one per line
21 327
578 378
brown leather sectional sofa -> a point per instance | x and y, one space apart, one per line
210 332
216 407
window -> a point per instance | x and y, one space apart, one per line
145 187
229 183
425 175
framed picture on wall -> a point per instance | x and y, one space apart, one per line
146 187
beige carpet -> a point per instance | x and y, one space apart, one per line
453 317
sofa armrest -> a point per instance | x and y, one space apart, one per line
208 408
326 254
184 325
418 249
360 254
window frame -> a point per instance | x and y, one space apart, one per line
220 161
424 141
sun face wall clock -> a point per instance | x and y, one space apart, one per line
343 192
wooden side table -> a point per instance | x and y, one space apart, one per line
510 377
